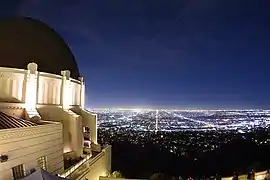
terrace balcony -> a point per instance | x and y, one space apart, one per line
92 166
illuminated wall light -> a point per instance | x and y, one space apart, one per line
30 101
66 90
82 95
31 87
67 95
67 149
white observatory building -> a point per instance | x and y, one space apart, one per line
43 123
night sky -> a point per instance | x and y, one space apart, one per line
171 53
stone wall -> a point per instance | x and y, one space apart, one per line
72 127
25 145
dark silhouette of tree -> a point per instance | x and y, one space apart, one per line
157 176
117 174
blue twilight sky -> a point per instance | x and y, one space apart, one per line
164 53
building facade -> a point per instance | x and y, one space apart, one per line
30 147
59 100
44 122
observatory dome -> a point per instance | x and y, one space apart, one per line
24 40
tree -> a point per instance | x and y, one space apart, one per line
117 174
157 176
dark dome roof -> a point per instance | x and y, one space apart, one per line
25 40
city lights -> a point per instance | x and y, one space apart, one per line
179 120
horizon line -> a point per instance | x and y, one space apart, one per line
179 109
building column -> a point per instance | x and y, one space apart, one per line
82 95
76 134
94 129
31 86
65 90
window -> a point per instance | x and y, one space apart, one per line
18 172
41 162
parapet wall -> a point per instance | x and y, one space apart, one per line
12 85
98 166
23 85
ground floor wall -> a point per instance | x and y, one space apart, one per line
24 146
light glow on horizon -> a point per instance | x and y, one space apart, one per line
173 109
